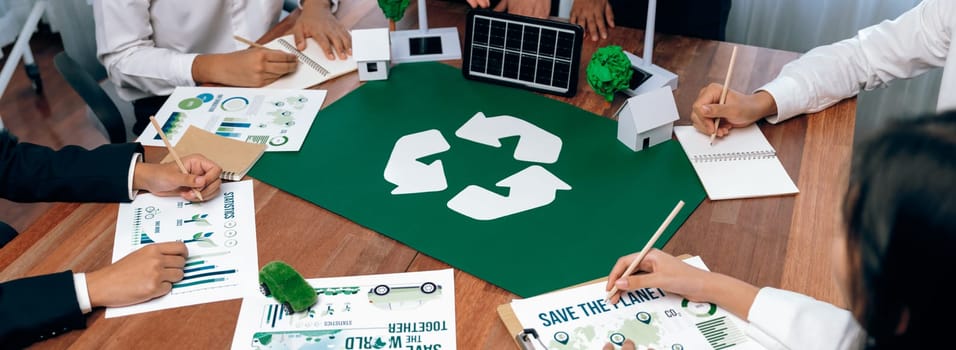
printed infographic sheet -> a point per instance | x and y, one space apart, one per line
580 318
220 235
414 310
278 118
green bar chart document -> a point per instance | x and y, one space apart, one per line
525 192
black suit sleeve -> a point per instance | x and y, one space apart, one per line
34 173
37 308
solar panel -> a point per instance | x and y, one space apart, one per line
536 54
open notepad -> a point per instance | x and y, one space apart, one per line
740 165
314 66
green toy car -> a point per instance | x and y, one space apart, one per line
282 282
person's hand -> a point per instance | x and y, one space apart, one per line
142 275
167 180
592 15
663 271
739 110
530 8
252 67
669 273
628 345
318 22
479 3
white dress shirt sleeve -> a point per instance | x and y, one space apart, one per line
137 157
781 319
82 293
125 47
79 279
907 46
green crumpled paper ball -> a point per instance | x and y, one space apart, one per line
393 9
609 71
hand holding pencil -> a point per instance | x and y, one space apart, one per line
194 177
634 261
659 270
723 92
719 108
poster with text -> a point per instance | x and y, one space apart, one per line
581 318
412 310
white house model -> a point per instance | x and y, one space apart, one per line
371 51
647 119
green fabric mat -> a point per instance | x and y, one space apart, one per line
618 200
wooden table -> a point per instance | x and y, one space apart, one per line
781 242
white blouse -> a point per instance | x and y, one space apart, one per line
907 46
148 46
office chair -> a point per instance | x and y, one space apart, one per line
94 96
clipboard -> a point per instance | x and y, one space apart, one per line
527 338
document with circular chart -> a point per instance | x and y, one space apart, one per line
220 235
277 118
581 318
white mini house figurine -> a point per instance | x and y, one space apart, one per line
371 51
647 119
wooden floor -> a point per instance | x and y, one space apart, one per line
55 118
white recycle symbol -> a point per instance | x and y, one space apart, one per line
531 187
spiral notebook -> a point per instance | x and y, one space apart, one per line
314 68
740 165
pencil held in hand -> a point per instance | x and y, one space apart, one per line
647 247
172 151
723 92
248 42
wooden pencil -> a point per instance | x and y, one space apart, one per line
723 92
648 246
248 42
172 151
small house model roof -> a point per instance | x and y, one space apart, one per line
370 45
662 110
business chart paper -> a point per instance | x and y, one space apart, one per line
278 118
220 235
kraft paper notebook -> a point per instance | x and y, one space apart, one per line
740 165
234 156
314 66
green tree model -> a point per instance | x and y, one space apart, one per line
394 10
609 71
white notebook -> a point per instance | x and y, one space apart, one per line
740 165
314 68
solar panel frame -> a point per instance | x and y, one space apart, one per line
490 49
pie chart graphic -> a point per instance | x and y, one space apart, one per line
234 104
